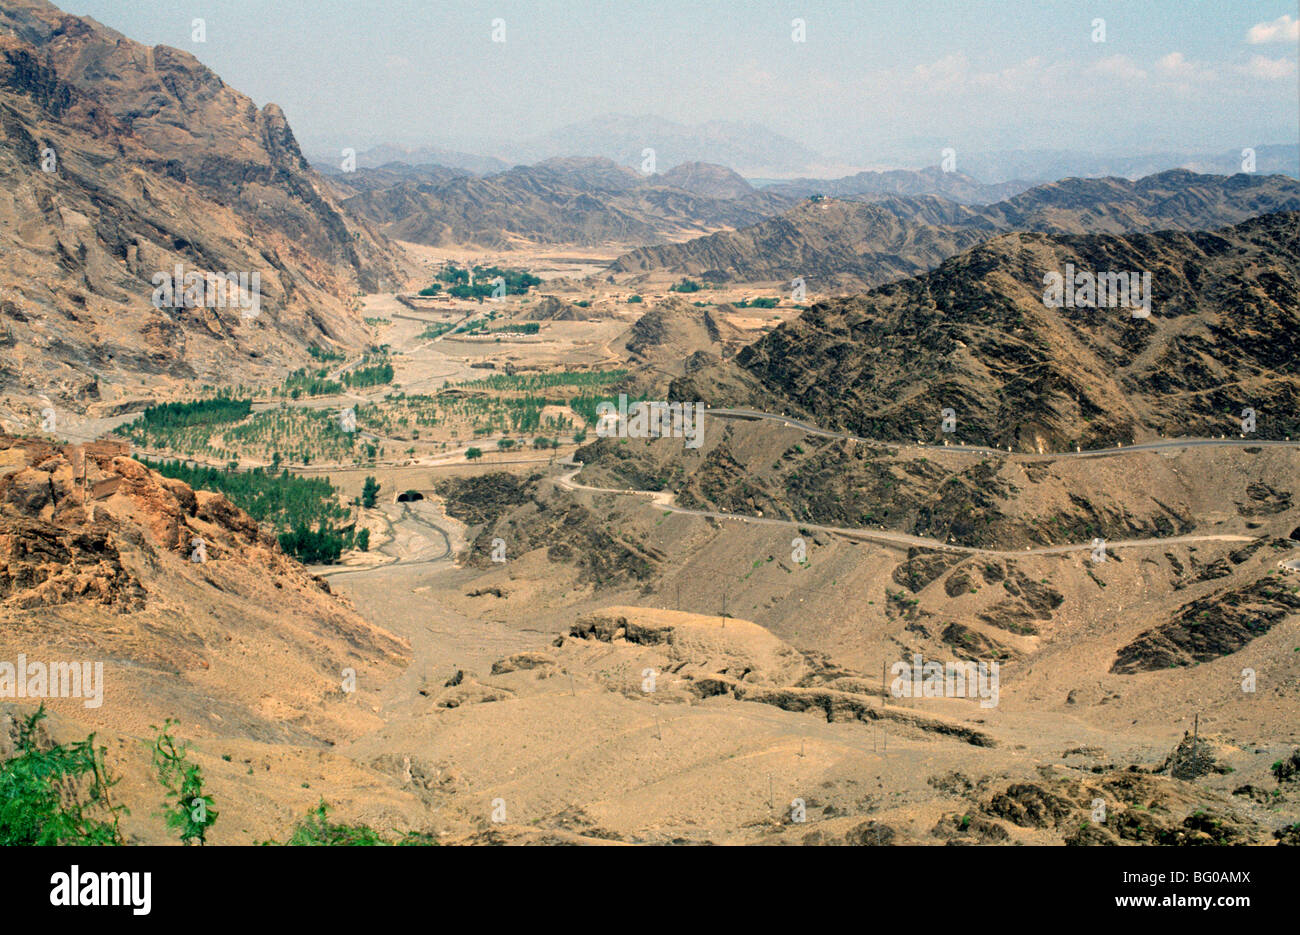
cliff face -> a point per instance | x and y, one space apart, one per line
121 162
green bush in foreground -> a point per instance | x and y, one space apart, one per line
58 795
316 830
190 811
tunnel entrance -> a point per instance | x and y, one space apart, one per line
406 496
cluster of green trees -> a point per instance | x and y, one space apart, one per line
457 280
369 376
292 433
436 330
305 382
326 356
762 302
686 285
322 545
585 405
532 382
199 412
480 326
303 511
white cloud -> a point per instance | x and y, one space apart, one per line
1176 67
1118 66
1269 68
947 70
1282 29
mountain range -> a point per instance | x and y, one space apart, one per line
843 245
581 200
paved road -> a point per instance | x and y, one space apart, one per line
664 500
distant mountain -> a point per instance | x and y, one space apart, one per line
1275 159
956 186
750 149
387 153
540 203
832 245
843 245
389 175
975 336
122 162
578 200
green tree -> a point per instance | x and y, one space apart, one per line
369 491
190 812
473 454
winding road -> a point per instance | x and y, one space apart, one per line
753 415
664 499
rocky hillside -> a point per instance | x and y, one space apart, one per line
121 162
193 610
975 336
831 245
568 200
839 245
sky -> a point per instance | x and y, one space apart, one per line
870 75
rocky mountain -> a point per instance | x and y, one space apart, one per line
831 245
841 246
977 336
584 200
121 164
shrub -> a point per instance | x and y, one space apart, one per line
190 811
57 795
316 830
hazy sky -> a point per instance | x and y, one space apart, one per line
1201 75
